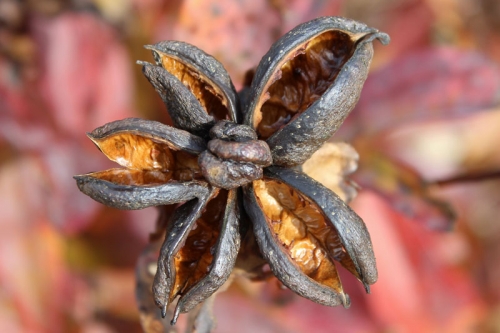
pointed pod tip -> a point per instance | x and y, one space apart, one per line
79 179
176 315
367 288
92 136
151 71
164 310
147 68
382 37
346 300
154 49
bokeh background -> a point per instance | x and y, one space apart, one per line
427 129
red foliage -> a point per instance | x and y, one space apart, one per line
425 127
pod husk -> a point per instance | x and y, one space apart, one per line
297 140
211 70
139 197
283 267
184 109
178 228
175 138
351 231
142 184
224 254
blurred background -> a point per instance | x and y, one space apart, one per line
427 129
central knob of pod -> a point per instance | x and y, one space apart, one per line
234 156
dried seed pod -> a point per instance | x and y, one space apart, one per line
302 228
172 137
300 93
202 74
184 108
307 84
160 165
138 197
199 251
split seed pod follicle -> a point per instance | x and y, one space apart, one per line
230 168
